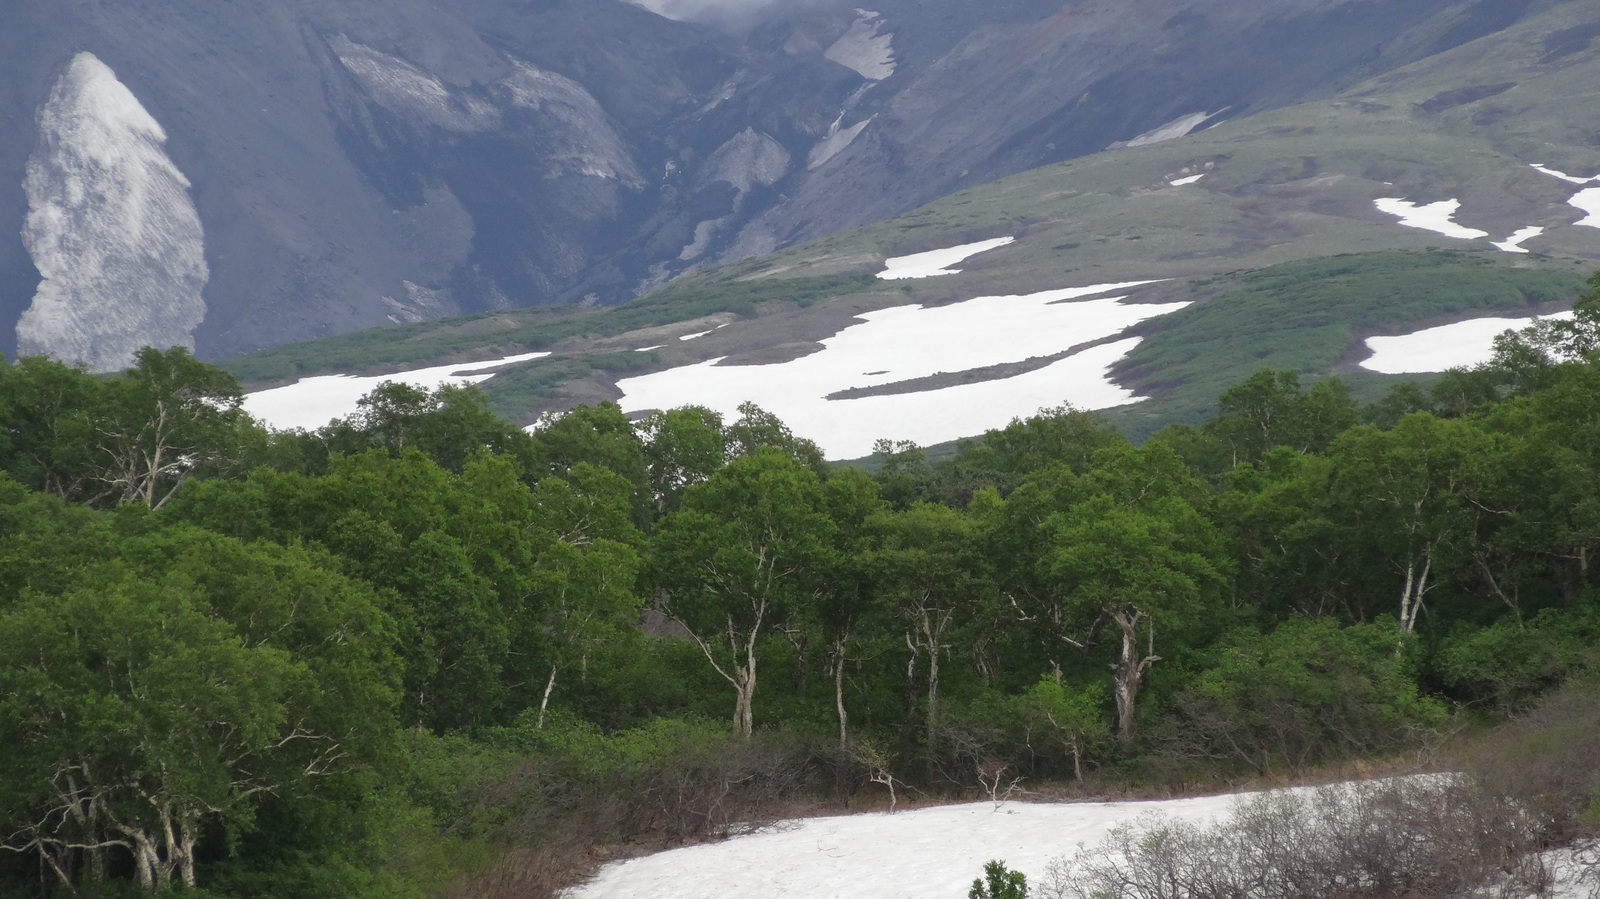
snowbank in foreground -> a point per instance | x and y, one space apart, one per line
931 853
924 854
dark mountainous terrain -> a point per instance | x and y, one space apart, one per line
1278 229
238 176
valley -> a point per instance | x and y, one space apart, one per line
586 449
1395 165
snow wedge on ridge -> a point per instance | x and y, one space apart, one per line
936 262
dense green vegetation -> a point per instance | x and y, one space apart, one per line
1302 316
422 652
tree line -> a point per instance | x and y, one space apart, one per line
251 662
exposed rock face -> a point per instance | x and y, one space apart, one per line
358 162
110 227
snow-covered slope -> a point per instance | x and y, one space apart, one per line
1460 344
899 374
932 853
311 403
111 228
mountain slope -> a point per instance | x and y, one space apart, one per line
1250 223
353 163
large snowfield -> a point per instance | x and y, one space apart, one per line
931 853
908 342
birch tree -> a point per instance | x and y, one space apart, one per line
1404 492
192 676
740 557
1123 547
847 600
163 421
586 564
131 718
928 564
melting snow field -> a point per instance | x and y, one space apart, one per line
311 403
924 854
1180 182
1563 175
1455 345
906 342
1588 201
935 262
932 853
1514 243
1435 217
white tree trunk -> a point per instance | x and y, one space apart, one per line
1129 670
544 703
838 693
745 692
1416 587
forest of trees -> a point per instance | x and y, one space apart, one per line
418 646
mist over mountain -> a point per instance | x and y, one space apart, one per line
237 176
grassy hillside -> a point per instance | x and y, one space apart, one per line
494 333
1312 316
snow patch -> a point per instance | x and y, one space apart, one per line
927 853
935 262
1457 345
835 143
689 10
1563 175
311 403
1513 244
1435 217
1180 182
863 49
703 333
1172 130
110 227
1588 201
907 342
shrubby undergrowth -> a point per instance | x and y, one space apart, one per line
1530 785
1418 836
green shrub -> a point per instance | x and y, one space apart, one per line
999 882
